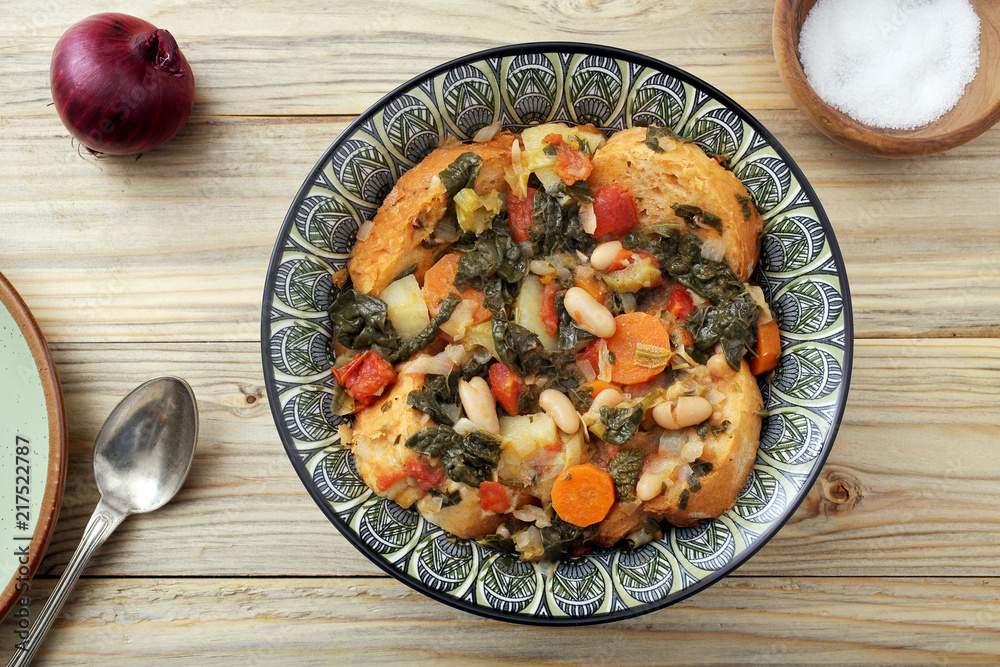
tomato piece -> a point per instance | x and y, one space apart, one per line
614 209
572 164
493 497
550 316
591 354
519 212
507 387
425 475
365 377
384 480
351 367
680 303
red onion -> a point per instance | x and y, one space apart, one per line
120 85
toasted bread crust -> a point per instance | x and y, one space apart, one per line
412 210
681 174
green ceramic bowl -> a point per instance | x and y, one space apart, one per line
32 450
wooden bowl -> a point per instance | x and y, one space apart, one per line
976 111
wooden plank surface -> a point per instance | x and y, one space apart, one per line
174 246
910 487
773 620
151 267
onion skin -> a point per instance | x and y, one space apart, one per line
120 85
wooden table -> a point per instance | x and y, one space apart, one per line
137 268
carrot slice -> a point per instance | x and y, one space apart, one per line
768 348
583 494
439 282
631 331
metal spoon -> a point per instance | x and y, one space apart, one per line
141 457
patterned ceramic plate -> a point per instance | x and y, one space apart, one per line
801 272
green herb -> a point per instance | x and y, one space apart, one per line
699 468
745 205
428 333
719 429
611 358
582 144
360 321
623 302
695 216
469 459
461 173
624 468
653 135
684 498
562 537
437 391
702 429
620 424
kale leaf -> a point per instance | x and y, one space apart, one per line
653 134
733 324
428 333
693 215
360 321
494 253
624 468
469 459
461 173
570 335
562 537
556 228
437 390
620 424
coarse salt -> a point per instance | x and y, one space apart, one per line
896 64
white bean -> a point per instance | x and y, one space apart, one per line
649 486
558 406
588 314
719 367
692 410
687 411
605 254
610 397
663 415
479 403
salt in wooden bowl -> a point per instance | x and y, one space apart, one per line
976 111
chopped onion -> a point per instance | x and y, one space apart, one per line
541 267
713 248
588 219
487 133
765 310
586 370
365 230
533 514
428 365
465 426
447 229
691 450
671 442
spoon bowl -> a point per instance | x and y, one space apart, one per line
141 458
144 450
976 111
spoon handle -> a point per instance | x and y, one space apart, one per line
103 522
